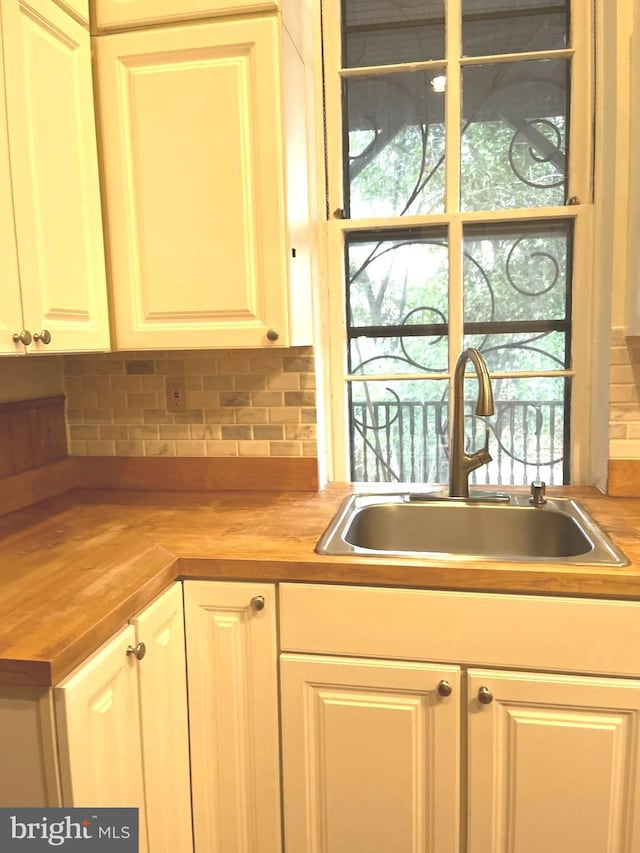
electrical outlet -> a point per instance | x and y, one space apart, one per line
176 395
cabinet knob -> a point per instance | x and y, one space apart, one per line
258 602
138 651
444 688
44 337
485 696
272 335
23 337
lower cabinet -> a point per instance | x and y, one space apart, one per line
371 755
122 727
553 763
403 756
233 716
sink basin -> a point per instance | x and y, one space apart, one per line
397 525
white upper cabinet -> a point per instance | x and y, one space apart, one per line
195 143
50 213
123 14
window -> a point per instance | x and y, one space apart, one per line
459 158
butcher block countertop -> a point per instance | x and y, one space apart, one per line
75 568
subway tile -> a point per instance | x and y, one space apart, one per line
250 383
160 448
98 416
96 383
148 383
269 432
204 399
113 431
205 431
83 432
172 367
77 447
139 367
129 448
190 447
298 364
251 415
220 416
284 415
285 448
143 400
156 416
267 398
310 448
217 383
112 400
222 448
101 448
78 365
300 432
235 398
299 398
109 367
253 448
174 431
128 383
308 416
283 382
236 432
128 416
145 432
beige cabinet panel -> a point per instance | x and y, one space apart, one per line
233 716
554 764
370 756
53 155
193 142
99 731
164 723
124 14
11 305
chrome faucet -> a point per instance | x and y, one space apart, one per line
460 463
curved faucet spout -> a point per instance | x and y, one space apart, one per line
460 463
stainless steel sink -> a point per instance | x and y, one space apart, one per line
397 525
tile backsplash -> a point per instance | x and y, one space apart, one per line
624 397
240 403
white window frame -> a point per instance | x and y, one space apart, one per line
333 339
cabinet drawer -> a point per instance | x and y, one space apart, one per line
523 631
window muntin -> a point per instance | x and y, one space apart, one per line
558 140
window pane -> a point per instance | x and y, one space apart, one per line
399 431
397 302
528 435
513 26
395 145
514 135
517 295
385 32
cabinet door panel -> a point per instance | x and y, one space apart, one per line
370 756
192 141
130 13
164 723
553 764
55 176
99 731
233 715
11 306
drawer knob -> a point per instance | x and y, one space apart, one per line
444 688
44 337
272 335
258 602
485 696
23 337
138 651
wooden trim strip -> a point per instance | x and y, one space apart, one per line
170 473
624 478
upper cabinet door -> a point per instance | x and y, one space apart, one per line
122 14
554 763
10 305
53 154
193 155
